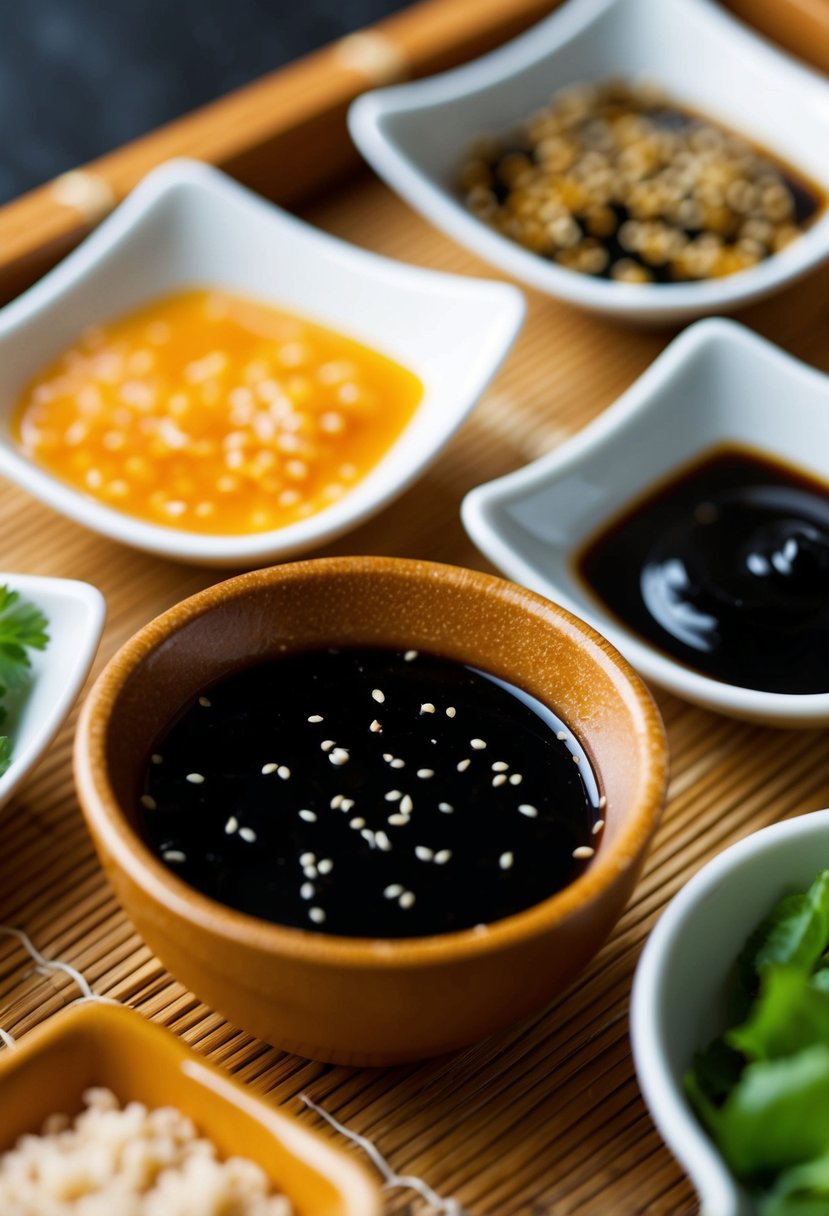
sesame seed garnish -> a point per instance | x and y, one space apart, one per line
388 757
425 773
368 835
231 825
307 890
477 744
248 835
406 900
516 779
427 708
269 768
357 823
526 808
174 855
446 807
397 763
450 711
576 759
500 766
410 655
398 821
149 802
204 702
382 840
422 853
505 861
316 718
316 915
597 826
327 744
194 778
346 804
307 859
393 890
406 805
378 695
325 866
602 802
583 851
375 727
156 758
309 871
499 779
308 816
336 802
393 796
339 756
463 765
283 771
442 856
561 734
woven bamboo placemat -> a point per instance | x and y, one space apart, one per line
547 1117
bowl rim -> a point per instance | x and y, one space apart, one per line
483 505
110 826
547 38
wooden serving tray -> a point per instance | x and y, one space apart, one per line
547 1118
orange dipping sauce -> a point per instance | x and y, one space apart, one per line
215 413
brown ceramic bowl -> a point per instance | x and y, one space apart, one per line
358 1000
92 1045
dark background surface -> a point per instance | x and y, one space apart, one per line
80 77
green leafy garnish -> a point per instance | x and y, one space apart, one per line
762 1088
22 628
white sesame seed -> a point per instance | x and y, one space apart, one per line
528 809
500 766
398 821
375 727
382 841
149 802
336 802
410 655
425 773
327 744
446 807
316 915
307 890
269 768
357 823
339 756
562 734
231 825
602 802
284 772
499 779
204 702
398 763
427 708
346 804
583 851
378 695
422 853
368 835
450 711
316 718
310 871
195 778
516 779
442 856
597 826
464 765
505 861
156 759
307 859
308 816
393 796
326 865
174 855
406 899
576 759
248 835
406 805
478 744
388 757
393 890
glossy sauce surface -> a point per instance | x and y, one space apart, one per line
215 413
371 793
727 569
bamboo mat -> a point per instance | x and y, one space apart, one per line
546 1118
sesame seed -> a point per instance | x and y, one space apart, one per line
327 744
375 727
308 816
204 702
388 757
406 805
309 871
339 756
442 856
499 779
406 900
156 759
500 766
398 821
336 802
602 802
478 744
174 855
378 695
505 861
326 865
382 841
357 823
425 773
583 851
368 835
446 807
316 718
528 809
268 768
393 890
393 796
307 890
398 763
422 853
149 802
562 734
283 771
316 915
231 825
248 835
516 779
410 655
346 804
194 778
597 826
576 759
450 711
307 859
427 708
463 765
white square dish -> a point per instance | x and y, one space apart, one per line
187 225
701 56
716 384
75 612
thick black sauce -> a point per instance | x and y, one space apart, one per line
727 569
277 794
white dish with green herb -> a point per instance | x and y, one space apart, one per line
716 966
49 633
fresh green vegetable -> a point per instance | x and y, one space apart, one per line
22 628
762 1088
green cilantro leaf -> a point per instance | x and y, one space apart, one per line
23 627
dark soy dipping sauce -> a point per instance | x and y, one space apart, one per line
371 793
727 569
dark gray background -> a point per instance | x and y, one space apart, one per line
79 77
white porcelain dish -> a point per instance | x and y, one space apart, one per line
716 383
188 225
702 56
75 612
679 991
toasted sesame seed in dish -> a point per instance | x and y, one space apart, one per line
449 334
